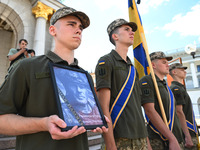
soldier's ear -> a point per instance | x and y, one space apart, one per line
153 64
114 36
52 30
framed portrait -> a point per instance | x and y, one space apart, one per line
76 98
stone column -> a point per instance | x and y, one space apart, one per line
41 12
194 75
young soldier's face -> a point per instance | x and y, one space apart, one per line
161 66
180 73
125 35
68 32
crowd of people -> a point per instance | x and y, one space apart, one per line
27 99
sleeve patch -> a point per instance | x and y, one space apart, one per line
144 83
146 92
102 62
102 71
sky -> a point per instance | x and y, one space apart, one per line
168 25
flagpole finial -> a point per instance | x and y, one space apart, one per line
138 1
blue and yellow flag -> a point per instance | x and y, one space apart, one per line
140 60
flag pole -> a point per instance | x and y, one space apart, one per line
154 81
142 36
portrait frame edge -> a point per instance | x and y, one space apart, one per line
58 101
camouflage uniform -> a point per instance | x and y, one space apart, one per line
195 142
159 55
63 12
176 66
117 23
131 144
158 144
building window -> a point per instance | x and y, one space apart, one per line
198 103
198 77
198 68
189 82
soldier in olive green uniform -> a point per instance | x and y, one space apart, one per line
111 73
183 105
27 102
152 109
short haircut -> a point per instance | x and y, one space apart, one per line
171 72
23 40
115 31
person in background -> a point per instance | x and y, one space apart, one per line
16 55
27 99
161 137
183 105
118 91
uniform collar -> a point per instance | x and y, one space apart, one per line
118 57
178 83
158 80
56 59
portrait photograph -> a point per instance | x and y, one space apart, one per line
76 98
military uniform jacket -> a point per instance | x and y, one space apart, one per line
182 98
112 73
28 91
149 96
